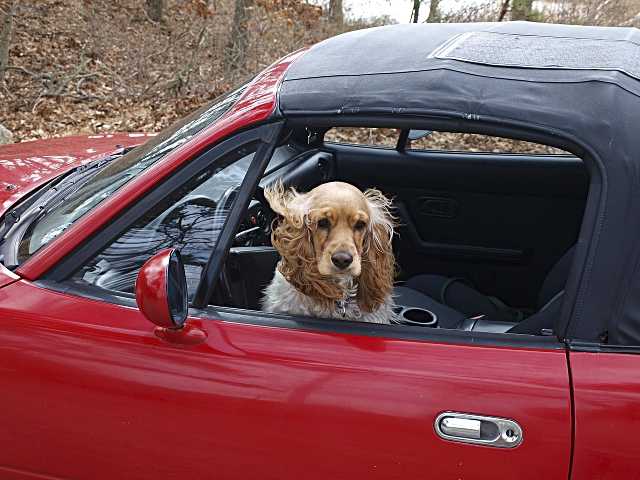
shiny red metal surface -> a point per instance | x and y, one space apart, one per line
27 165
256 105
189 334
606 396
151 289
91 392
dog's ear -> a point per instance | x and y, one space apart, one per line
280 199
375 285
292 237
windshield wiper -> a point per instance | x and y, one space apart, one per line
61 189
10 219
53 195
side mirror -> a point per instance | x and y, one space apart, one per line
161 289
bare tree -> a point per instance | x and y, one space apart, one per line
235 54
155 9
415 11
521 9
503 10
5 36
336 12
434 13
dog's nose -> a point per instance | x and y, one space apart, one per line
341 259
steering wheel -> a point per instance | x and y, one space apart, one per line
224 205
256 227
269 212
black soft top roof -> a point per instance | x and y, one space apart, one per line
577 86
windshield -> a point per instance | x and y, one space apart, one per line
119 172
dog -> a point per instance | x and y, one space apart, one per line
336 255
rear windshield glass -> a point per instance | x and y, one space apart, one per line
119 172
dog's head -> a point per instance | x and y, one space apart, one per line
333 234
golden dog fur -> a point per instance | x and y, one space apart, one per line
332 218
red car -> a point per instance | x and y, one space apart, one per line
122 358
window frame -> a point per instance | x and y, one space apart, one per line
517 130
505 128
391 146
402 143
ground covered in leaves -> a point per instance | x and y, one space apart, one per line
98 66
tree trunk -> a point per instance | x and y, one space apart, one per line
155 9
503 10
415 11
5 37
235 54
521 9
336 13
434 13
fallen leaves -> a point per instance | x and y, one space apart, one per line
98 66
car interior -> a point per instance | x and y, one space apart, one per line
485 240
485 237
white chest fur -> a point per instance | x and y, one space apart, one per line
282 297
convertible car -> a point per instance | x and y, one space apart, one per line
132 344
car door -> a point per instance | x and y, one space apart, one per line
91 390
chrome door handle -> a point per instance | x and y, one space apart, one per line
478 429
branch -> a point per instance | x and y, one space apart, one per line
631 21
36 76
183 76
55 84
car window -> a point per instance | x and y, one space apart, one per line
435 141
378 137
473 142
119 172
190 219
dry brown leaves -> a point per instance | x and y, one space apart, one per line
97 66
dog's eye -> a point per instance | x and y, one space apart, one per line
360 225
324 223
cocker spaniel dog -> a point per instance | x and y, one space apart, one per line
336 256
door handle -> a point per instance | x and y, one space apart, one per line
478 429
438 207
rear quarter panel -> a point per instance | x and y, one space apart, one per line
606 390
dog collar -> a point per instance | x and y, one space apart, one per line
341 307
348 302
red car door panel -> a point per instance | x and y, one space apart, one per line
607 411
95 394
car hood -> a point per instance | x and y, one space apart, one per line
27 165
